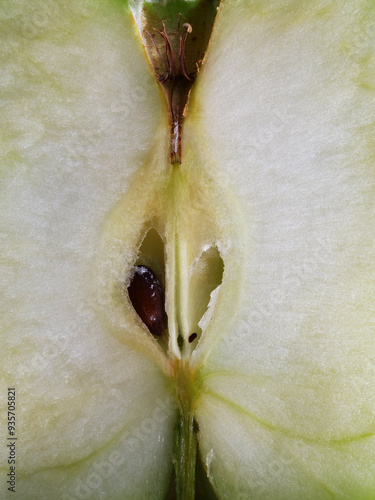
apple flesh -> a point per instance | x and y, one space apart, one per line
262 240
94 416
290 386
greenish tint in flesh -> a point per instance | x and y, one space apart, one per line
281 380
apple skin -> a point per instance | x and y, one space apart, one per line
278 177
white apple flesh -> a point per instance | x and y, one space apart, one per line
274 200
290 387
79 111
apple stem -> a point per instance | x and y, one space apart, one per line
176 118
186 436
186 457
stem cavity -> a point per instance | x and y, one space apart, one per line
176 45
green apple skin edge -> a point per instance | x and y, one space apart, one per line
230 153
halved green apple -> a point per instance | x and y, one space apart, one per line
259 227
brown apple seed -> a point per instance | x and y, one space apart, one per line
146 296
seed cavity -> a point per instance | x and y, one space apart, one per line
146 295
151 254
206 276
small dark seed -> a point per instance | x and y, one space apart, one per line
146 296
192 337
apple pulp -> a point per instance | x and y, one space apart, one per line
262 238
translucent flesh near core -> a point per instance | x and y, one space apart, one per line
289 120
